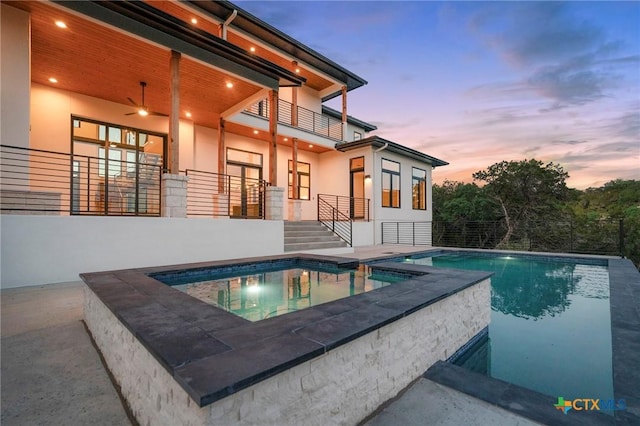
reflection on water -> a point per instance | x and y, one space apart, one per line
267 294
550 325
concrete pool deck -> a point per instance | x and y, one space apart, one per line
52 374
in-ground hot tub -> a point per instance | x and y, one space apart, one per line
179 360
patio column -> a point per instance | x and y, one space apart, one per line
273 138
221 149
174 115
344 112
221 199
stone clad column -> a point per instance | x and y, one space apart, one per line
274 197
174 195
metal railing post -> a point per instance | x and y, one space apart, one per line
621 236
413 232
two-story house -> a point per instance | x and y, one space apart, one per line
143 133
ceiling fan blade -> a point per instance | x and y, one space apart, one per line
159 114
133 102
131 113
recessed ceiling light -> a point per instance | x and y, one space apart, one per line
61 24
53 80
253 49
255 132
229 84
194 21
188 114
286 139
298 70
310 146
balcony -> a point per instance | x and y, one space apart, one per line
310 121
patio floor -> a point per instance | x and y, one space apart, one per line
52 373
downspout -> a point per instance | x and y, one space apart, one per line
226 23
382 148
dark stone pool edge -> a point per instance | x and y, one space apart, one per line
192 339
624 283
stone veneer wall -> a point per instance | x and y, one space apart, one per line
174 195
342 386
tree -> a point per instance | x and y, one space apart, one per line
463 215
525 191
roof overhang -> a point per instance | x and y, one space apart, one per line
145 21
378 142
269 34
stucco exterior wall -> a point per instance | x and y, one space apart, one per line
38 250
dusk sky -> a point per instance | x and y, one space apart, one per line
475 83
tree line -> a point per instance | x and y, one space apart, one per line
527 205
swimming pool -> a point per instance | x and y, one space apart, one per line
550 327
272 290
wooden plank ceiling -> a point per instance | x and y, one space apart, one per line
102 62
315 80
96 60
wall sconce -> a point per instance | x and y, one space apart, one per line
367 178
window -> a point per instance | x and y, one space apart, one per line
419 189
304 181
115 163
390 183
357 136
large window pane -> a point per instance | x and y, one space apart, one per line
390 183
418 188
304 181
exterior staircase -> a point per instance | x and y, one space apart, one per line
309 235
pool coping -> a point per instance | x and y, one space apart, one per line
191 338
624 300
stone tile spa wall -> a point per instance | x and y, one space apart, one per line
341 386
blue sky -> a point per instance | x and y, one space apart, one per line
475 83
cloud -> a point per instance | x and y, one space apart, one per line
568 142
569 61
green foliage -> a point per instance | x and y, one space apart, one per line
596 207
526 191
526 205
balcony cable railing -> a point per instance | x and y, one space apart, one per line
308 120
35 181
219 195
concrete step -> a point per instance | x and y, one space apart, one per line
309 235
313 233
314 246
311 239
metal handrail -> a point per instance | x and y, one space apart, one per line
354 207
320 124
339 223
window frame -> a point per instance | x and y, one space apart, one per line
390 173
290 181
422 194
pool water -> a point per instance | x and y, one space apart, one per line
276 291
550 327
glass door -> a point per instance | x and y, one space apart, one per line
245 198
356 166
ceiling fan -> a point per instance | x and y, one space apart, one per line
143 110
